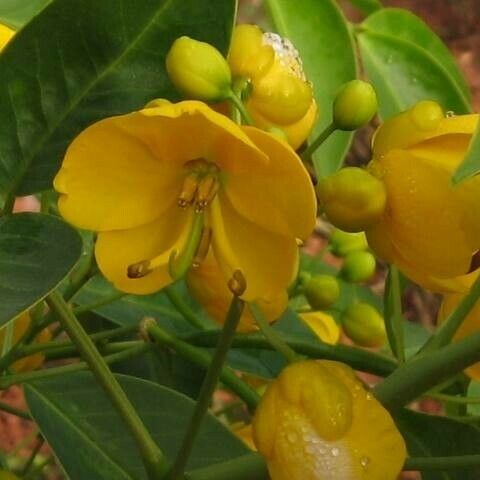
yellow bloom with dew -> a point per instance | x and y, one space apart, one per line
279 94
429 228
6 35
207 285
323 325
316 422
161 183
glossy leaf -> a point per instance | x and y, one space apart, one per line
367 6
83 60
16 13
320 33
470 165
407 62
435 436
36 252
91 441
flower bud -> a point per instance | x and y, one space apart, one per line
354 106
358 267
323 325
198 70
364 325
322 291
352 198
317 422
342 243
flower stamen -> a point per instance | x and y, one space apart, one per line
189 190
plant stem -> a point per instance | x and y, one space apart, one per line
445 332
453 399
204 360
99 303
152 457
355 357
8 338
208 386
32 456
275 340
307 153
238 104
14 411
421 374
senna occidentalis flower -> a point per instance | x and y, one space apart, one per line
162 185
279 94
317 422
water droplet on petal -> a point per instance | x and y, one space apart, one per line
450 114
364 461
335 451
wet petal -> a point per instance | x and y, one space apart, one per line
277 196
268 261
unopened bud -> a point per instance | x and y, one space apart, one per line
198 70
352 198
322 291
358 267
342 243
364 325
354 106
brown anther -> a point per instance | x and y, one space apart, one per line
475 263
237 284
203 247
189 191
139 270
207 189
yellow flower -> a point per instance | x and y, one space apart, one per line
207 285
244 433
5 35
32 362
280 96
323 325
430 228
158 182
316 422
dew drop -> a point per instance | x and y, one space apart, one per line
335 451
364 461
450 114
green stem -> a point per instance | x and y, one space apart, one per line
307 153
453 399
189 315
446 331
8 381
203 359
238 104
99 303
7 340
275 340
355 357
152 456
31 458
442 463
394 315
421 374
251 467
14 411
208 387
38 468
106 350
8 204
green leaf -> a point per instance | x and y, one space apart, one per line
433 436
36 252
394 319
16 13
406 62
91 441
470 165
82 60
320 33
367 6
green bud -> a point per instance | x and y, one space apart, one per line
342 243
322 291
354 106
358 267
198 70
352 198
364 325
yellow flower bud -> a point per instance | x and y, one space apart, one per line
355 105
32 362
279 94
5 35
323 325
342 243
198 70
364 325
322 291
316 422
352 198
358 267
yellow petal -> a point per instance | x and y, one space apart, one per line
5 35
424 219
208 286
116 250
267 260
323 325
277 196
124 171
